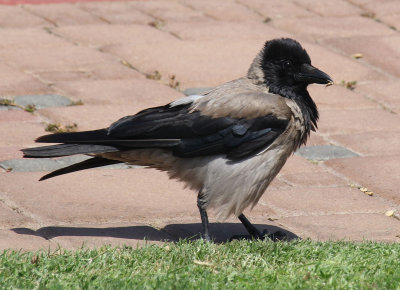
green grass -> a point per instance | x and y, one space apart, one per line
239 264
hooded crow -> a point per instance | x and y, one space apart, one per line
227 144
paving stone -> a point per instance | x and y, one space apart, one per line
14 82
383 7
317 28
384 92
316 139
331 8
17 115
297 164
194 63
107 70
10 152
11 217
371 143
47 59
167 10
209 29
325 152
392 20
356 121
104 34
353 227
226 10
277 9
116 12
131 92
18 17
313 179
379 174
35 37
386 46
338 97
305 201
340 67
10 240
63 14
100 196
42 101
15 135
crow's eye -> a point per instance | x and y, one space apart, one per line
287 64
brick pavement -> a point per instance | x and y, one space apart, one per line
99 53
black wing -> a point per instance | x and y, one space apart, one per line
200 135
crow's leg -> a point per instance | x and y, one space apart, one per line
256 234
204 218
253 231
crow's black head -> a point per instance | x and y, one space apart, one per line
287 66
288 71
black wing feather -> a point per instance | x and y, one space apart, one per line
201 135
187 134
86 164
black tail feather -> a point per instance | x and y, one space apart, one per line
86 164
66 150
74 137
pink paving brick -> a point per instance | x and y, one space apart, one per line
226 10
330 8
357 121
10 239
338 97
63 14
371 143
14 82
67 57
32 37
272 9
116 12
135 92
19 133
385 92
379 174
302 201
111 69
392 20
383 7
317 28
17 17
297 164
386 46
209 29
168 10
11 217
104 34
135 195
340 67
322 179
17 115
195 63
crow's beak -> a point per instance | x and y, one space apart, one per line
311 75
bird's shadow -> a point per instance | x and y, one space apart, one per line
220 232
